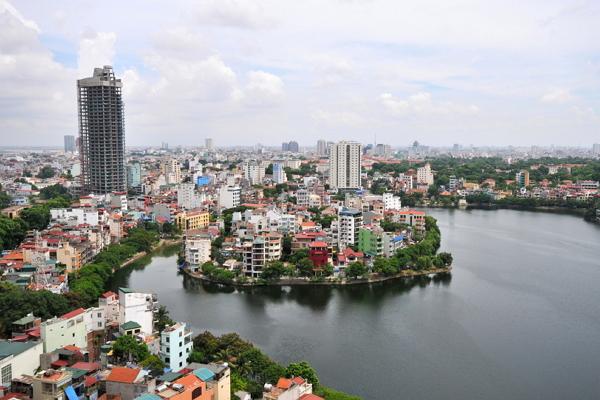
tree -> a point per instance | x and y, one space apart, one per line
46 172
162 318
384 266
50 192
446 258
423 262
12 232
36 217
154 364
305 370
305 266
5 200
273 271
127 348
356 269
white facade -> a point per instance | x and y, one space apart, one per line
348 224
74 216
95 319
137 307
425 175
229 196
18 359
70 329
344 165
172 171
391 202
187 197
321 148
110 305
197 249
176 346
254 172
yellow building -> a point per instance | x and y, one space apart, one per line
195 219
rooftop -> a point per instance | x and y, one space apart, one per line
123 375
14 348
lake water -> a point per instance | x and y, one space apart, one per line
518 319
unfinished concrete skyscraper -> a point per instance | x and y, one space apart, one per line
101 132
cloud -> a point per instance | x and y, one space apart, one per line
338 118
422 104
263 89
234 13
95 49
557 96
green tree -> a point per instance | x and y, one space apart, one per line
127 348
46 172
305 370
162 318
153 363
446 258
36 217
356 269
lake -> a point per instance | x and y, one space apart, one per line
519 318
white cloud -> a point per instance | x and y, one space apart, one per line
234 13
95 49
263 89
338 118
557 96
422 104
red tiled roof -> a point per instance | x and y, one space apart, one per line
318 244
284 383
108 294
86 366
72 348
59 363
90 380
73 313
298 380
123 375
311 397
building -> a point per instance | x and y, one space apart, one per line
288 389
197 246
51 384
279 175
75 216
194 219
425 175
596 149
66 330
293 147
348 225
383 150
134 175
186 196
318 253
321 148
69 144
18 358
137 307
522 179
175 346
254 172
128 383
229 196
172 171
345 165
101 132
260 250
208 143
391 202
285 146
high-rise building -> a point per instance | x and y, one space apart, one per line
596 149
134 175
208 143
285 146
344 165
522 178
172 171
425 175
101 132
278 173
69 144
321 148
293 147
254 172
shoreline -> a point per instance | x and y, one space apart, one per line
307 282
161 243
494 207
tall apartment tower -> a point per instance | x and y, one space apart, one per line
344 165
69 144
321 148
101 132
208 143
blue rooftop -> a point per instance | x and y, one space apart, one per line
204 373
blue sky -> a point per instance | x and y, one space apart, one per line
247 72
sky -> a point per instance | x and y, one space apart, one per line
493 72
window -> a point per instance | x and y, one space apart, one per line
6 374
99 315
99 324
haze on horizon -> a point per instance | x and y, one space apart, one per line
246 72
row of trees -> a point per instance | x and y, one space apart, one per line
251 368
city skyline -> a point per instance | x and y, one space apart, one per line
247 72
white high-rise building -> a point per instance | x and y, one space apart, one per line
425 175
187 197
348 224
229 196
254 172
208 143
596 149
344 165
391 202
172 171
137 307
279 173
176 346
